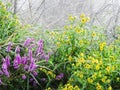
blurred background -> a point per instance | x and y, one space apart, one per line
54 13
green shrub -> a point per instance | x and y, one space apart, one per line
8 24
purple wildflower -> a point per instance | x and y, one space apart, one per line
30 55
26 67
7 59
32 66
31 79
17 50
6 73
17 61
1 73
1 81
60 76
9 47
40 47
23 77
47 57
28 41
35 73
24 60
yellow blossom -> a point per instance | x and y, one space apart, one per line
84 20
109 88
89 80
82 15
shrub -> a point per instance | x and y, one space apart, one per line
8 24
87 61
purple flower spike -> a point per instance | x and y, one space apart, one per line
35 73
28 41
1 81
26 67
6 73
47 57
23 77
17 61
9 47
17 50
60 76
30 55
24 60
32 66
7 60
31 79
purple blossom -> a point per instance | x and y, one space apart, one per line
1 73
9 47
35 73
40 47
23 77
4 66
7 59
17 50
1 81
24 60
31 79
47 57
26 67
60 76
17 61
30 54
6 73
28 41
32 66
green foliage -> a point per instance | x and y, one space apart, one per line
8 24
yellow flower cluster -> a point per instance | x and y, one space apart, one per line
84 19
102 46
50 73
72 18
70 87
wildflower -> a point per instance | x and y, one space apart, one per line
32 66
83 20
24 60
9 47
35 73
98 87
17 50
28 41
7 59
81 54
40 47
93 34
47 57
1 73
60 76
108 69
109 88
23 77
70 58
90 80
71 18
30 54
82 15
17 61
1 81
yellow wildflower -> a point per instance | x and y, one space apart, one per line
70 58
84 20
89 80
109 88
93 34
82 15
